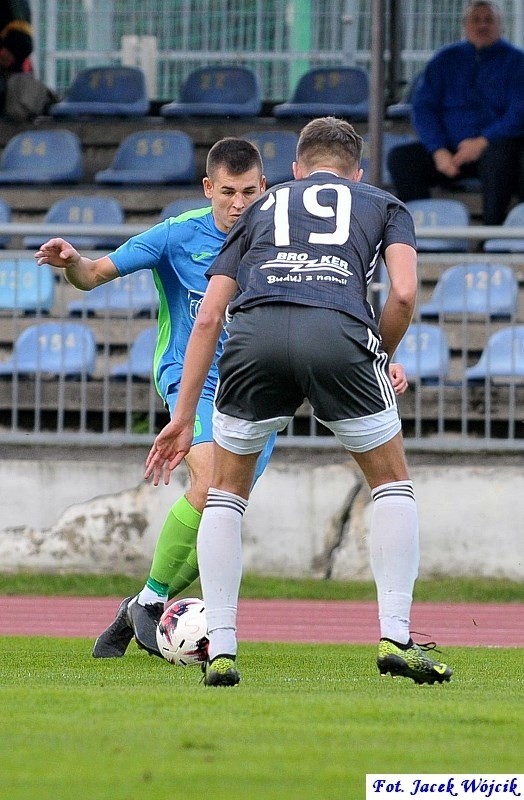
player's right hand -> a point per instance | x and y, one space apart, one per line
169 450
57 253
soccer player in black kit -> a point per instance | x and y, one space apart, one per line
294 274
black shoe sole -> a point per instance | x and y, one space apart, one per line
397 668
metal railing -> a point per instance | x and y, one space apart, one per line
449 414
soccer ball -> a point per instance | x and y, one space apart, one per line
181 634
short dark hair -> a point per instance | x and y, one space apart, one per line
235 155
329 140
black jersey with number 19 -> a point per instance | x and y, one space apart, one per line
314 241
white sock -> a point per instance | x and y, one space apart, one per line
219 551
394 549
148 596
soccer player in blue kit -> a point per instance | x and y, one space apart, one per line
294 274
178 251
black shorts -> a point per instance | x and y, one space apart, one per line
279 354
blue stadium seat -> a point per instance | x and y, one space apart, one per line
5 216
467 185
83 210
515 219
139 365
402 110
152 157
278 150
24 286
389 140
217 91
502 360
424 353
132 295
180 206
105 91
486 289
53 348
338 91
437 213
42 157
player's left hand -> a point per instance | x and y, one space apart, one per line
397 375
168 451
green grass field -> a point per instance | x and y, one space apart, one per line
306 723
438 589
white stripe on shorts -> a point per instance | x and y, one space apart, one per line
380 368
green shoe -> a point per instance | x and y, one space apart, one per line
411 661
221 672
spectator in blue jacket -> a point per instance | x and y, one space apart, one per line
469 115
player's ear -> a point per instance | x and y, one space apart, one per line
263 183
357 177
297 171
208 187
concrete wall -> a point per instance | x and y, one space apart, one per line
89 510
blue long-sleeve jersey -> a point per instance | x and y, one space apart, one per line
178 251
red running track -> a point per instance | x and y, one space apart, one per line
309 621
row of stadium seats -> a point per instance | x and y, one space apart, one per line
216 91
143 157
483 289
155 157
440 212
55 156
225 91
68 349
425 354
150 157
92 210
29 288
